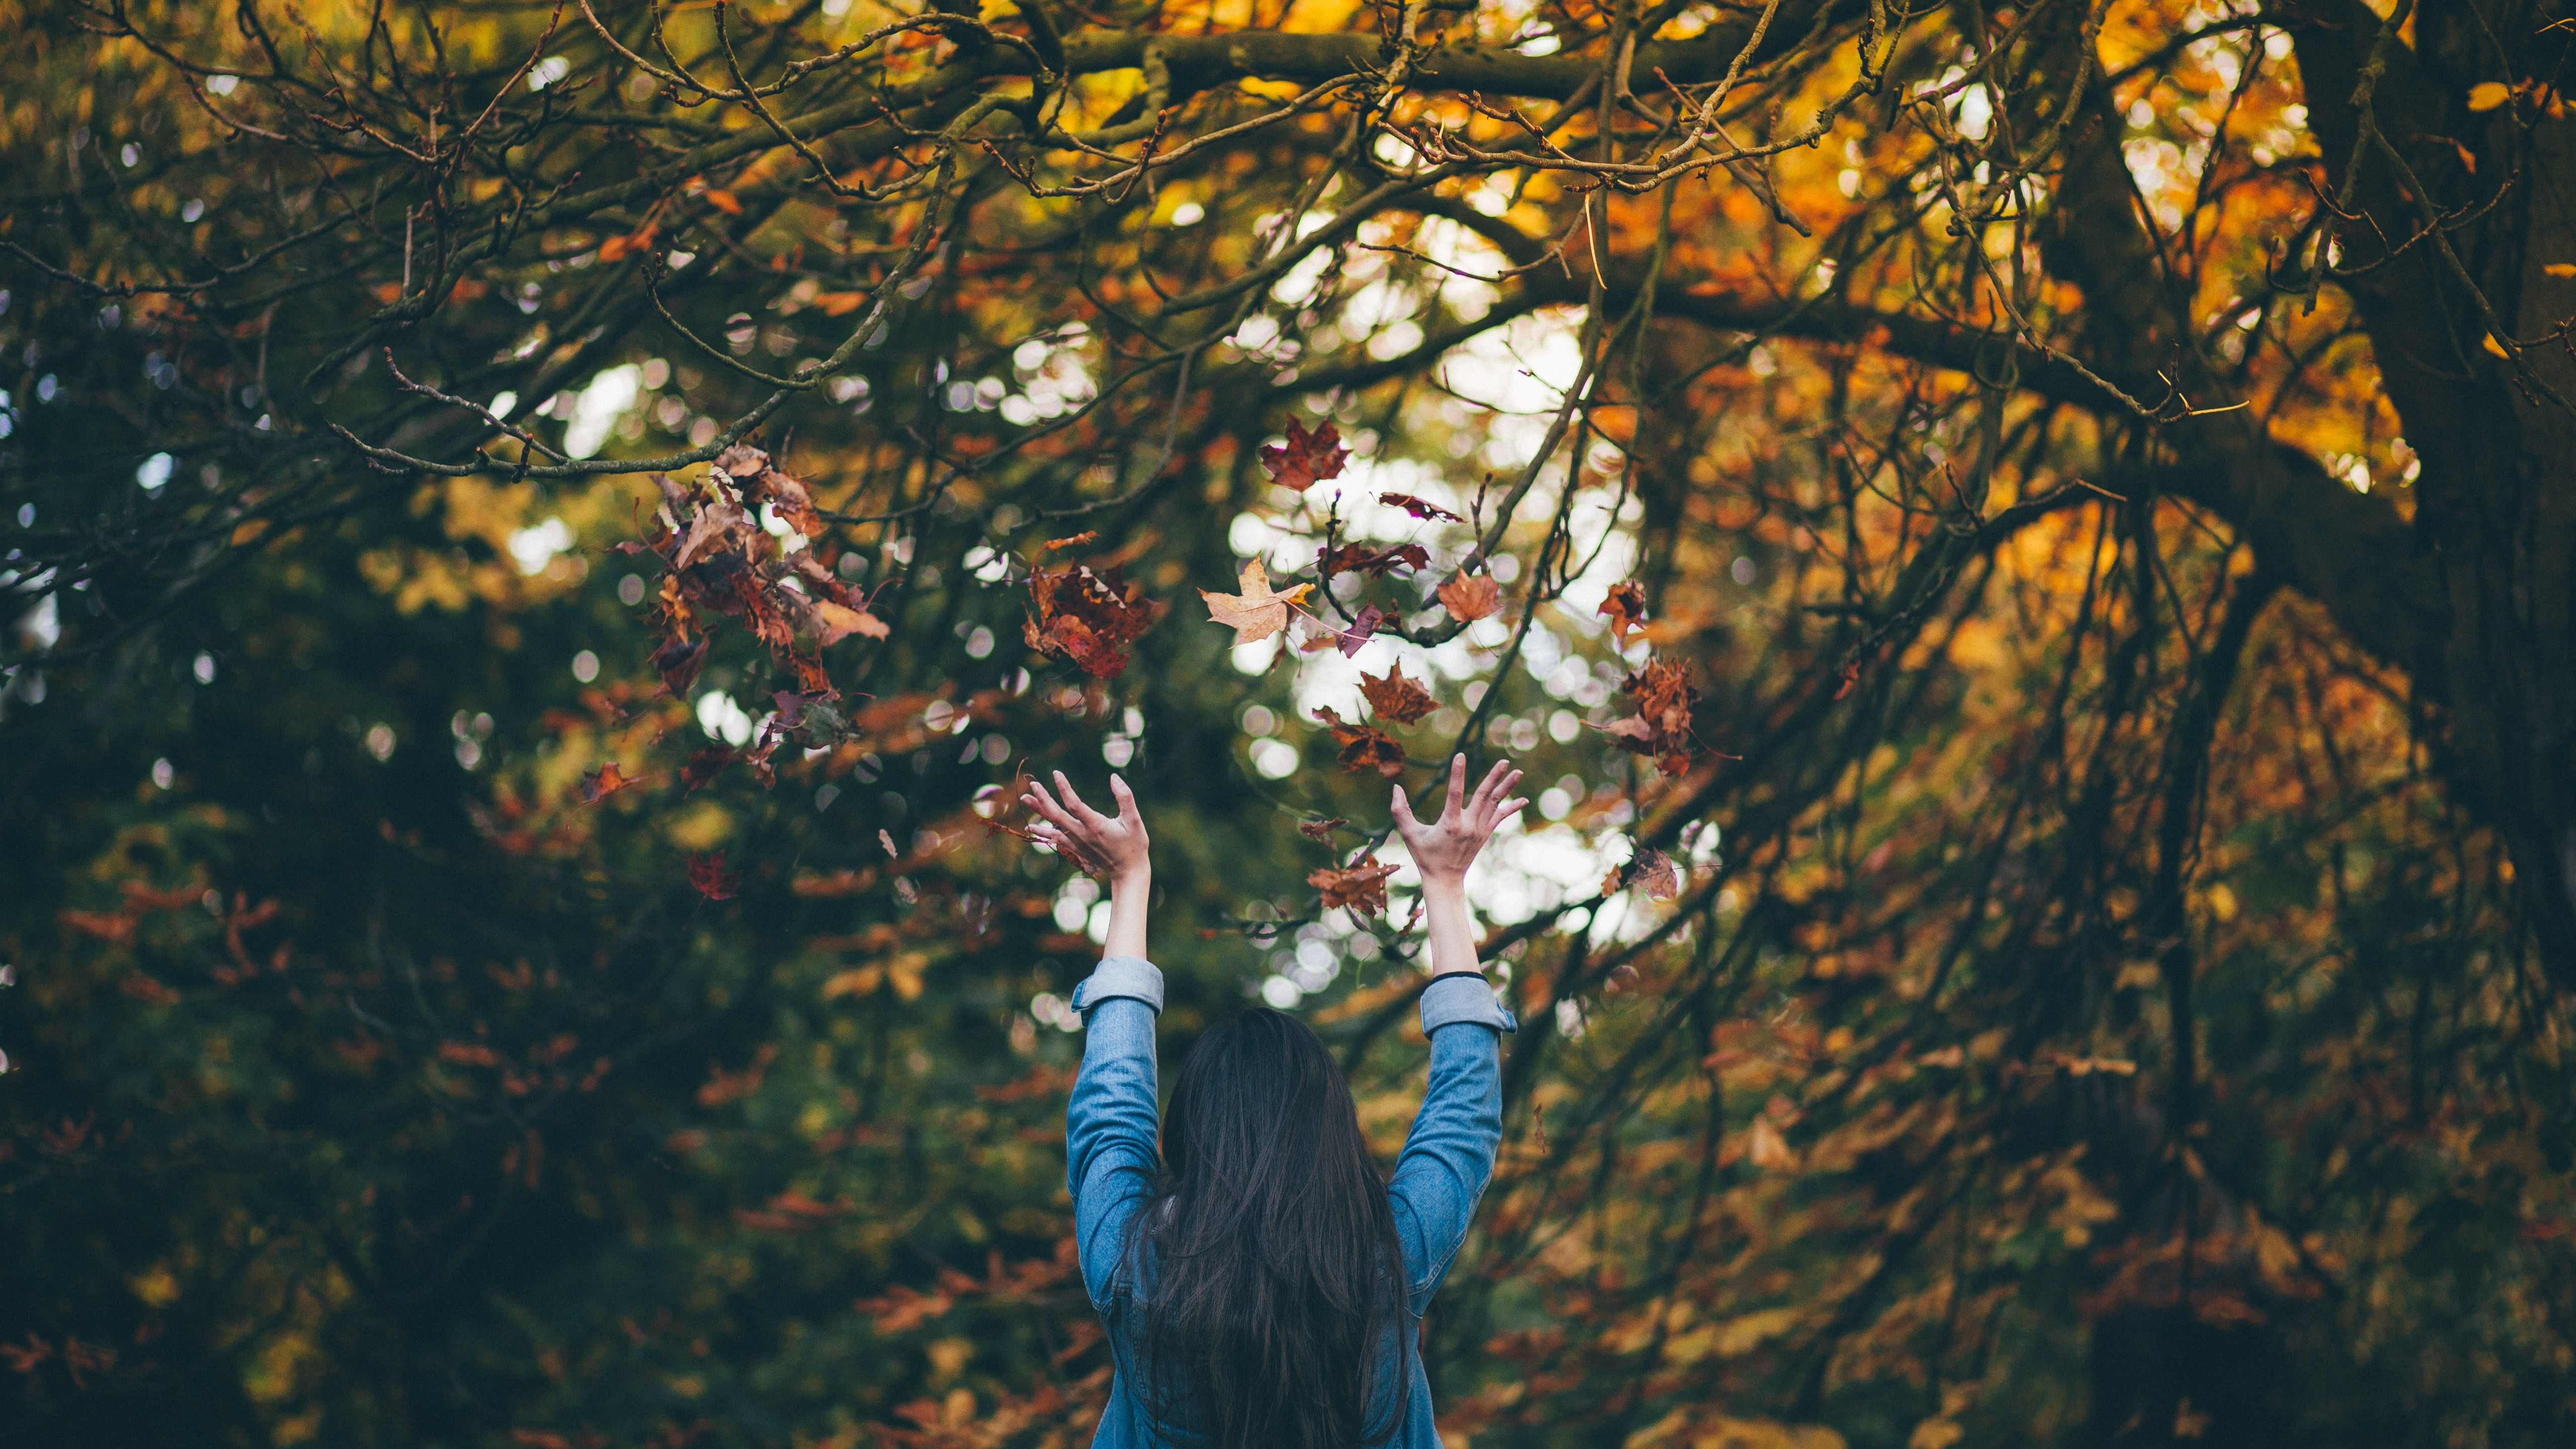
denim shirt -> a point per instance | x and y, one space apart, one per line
1114 1160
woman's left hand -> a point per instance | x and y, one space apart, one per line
1103 845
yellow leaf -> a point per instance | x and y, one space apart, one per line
1768 1147
840 621
857 981
2496 347
2559 269
2487 95
1935 1434
1743 1335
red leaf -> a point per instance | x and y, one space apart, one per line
1365 747
706 762
1306 458
1087 616
1359 557
707 873
678 661
1362 629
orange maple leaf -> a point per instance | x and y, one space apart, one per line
1469 597
1394 697
1360 886
607 780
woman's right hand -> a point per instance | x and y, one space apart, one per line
1444 849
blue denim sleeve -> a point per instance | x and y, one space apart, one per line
1110 1125
1449 1156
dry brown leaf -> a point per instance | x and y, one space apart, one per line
1364 747
1395 697
1469 597
1360 886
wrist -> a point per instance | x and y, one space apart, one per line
1444 884
1136 877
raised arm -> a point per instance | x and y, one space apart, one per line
1110 1125
1449 1155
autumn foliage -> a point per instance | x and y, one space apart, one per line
2025 550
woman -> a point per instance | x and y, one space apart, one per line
1262 1284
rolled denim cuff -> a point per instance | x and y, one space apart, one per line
1463 996
1133 977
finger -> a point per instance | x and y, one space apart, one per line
1081 808
1402 809
1126 800
1509 809
1046 806
1454 807
1491 788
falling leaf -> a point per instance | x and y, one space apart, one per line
1767 1147
1363 628
632 244
607 780
1625 606
840 621
724 201
1469 597
1661 727
1418 507
1320 828
1087 616
1395 697
2496 347
705 763
1256 613
2560 269
1360 886
1074 540
1306 459
707 873
1656 872
839 304
2488 95
1360 558
1364 747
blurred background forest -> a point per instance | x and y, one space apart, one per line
2028 548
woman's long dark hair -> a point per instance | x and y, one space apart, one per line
1275 1271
